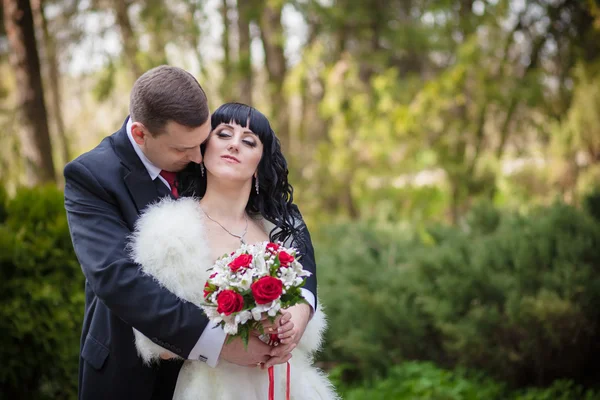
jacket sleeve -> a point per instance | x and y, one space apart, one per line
305 247
99 234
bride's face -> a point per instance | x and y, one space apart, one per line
232 152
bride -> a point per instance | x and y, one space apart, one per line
239 194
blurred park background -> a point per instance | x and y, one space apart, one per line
445 153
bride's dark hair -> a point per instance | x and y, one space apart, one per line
274 202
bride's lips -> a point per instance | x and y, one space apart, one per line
230 159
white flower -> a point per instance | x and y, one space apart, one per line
276 306
288 276
257 313
244 282
243 317
230 328
221 280
260 265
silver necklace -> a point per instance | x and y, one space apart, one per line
241 237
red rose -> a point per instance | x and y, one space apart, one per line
285 259
272 247
229 302
266 289
242 261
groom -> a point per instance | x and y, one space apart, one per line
105 191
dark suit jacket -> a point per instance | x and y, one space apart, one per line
105 191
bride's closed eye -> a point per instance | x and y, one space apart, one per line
226 135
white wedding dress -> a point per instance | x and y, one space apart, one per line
170 244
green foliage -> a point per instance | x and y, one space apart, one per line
371 324
517 296
591 202
41 292
425 381
105 83
3 203
560 390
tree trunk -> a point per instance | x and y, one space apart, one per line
227 69
53 78
244 8
273 42
128 36
193 34
24 58
156 24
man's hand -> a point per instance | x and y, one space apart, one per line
235 353
300 315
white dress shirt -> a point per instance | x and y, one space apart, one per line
211 341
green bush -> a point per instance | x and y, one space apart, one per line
425 381
517 296
42 298
359 285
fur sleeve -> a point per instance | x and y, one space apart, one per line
312 339
169 244
148 350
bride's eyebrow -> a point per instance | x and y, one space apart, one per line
246 131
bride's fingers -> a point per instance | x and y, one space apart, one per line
289 338
281 320
288 326
284 336
285 318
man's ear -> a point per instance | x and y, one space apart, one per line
138 132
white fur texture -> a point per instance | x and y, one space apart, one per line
170 244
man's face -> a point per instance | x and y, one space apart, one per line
174 149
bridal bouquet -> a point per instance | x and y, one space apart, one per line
253 282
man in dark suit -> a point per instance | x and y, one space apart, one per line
106 189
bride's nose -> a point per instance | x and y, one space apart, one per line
233 146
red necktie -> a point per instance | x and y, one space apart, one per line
170 178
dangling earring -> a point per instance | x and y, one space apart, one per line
256 184
202 169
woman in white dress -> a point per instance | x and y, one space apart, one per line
239 194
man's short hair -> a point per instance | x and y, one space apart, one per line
165 94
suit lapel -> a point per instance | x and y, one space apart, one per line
141 188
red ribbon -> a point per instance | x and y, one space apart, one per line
275 339
272 383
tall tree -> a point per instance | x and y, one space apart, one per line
24 58
244 67
121 8
157 18
193 31
273 40
53 77
226 86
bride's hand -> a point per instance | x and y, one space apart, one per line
282 326
300 315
